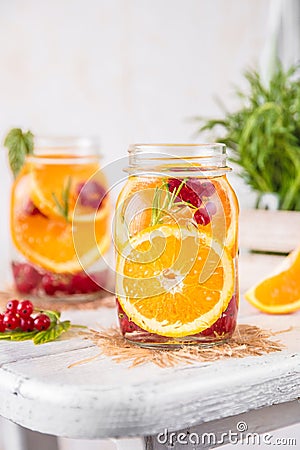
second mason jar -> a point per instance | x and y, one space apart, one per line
60 221
176 229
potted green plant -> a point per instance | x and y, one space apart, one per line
264 135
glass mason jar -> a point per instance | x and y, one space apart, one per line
176 229
60 221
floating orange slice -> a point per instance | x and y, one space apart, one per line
230 208
174 281
48 179
280 292
48 242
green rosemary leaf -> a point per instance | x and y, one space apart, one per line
264 134
66 194
63 206
159 206
155 205
19 145
59 207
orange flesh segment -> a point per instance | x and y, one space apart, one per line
280 293
180 308
48 241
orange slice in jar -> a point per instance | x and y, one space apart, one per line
174 281
230 208
134 206
50 177
48 242
138 207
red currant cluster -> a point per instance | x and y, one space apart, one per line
29 280
196 193
224 325
18 314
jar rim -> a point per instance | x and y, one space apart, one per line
179 149
195 157
76 145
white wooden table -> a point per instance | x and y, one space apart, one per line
103 399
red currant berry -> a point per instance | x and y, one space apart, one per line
31 210
91 194
187 191
202 217
27 278
207 189
25 308
48 284
126 325
11 320
27 324
12 305
83 284
226 323
211 208
2 325
53 283
42 322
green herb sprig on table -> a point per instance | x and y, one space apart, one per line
264 135
53 330
19 144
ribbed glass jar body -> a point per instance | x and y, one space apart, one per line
176 230
60 221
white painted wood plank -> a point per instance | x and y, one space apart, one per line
103 399
10 352
247 426
87 444
255 267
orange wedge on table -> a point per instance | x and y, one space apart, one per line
280 292
174 281
48 241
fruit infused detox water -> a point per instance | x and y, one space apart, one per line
60 221
176 246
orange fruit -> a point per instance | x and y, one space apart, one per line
48 179
280 292
137 200
134 207
48 242
229 206
174 281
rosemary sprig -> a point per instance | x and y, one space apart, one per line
63 206
264 134
159 206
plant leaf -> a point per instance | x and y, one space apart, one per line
53 332
19 145
63 206
17 335
264 134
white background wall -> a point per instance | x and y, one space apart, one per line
126 70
